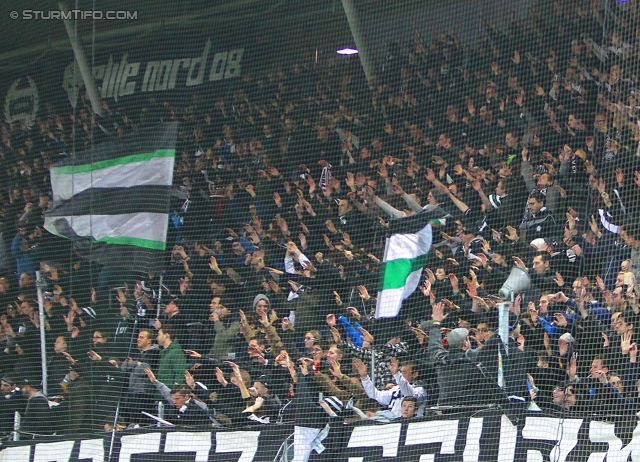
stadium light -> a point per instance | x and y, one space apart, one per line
347 51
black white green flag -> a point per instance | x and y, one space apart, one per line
405 256
113 199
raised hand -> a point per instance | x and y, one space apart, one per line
121 297
393 365
363 292
560 319
286 324
277 199
519 263
189 380
515 308
353 311
193 353
438 312
336 335
151 375
366 336
426 288
625 342
335 368
512 235
304 365
363 370
430 276
220 377
93 356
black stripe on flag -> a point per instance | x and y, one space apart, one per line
115 201
120 256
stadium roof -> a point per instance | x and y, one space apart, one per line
303 22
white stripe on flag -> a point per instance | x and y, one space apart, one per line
408 245
157 171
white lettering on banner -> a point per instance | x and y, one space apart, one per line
150 74
117 78
92 449
163 74
550 429
561 433
604 432
127 88
217 66
175 68
434 431
106 78
17 454
53 452
138 444
198 442
244 442
201 62
472 446
371 436
233 63
508 440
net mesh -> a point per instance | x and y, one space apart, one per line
226 237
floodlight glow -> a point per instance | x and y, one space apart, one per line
347 51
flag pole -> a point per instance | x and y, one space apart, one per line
373 366
43 346
83 65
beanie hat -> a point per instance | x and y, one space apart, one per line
456 337
567 337
261 297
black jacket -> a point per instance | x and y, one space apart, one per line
37 416
460 382
541 224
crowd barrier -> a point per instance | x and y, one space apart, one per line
470 436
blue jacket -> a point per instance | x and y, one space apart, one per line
26 260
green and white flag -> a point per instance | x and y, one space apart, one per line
112 200
405 256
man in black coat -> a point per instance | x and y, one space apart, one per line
37 415
460 382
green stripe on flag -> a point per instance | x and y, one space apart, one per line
143 157
394 273
124 240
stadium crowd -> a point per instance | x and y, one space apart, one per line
528 151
